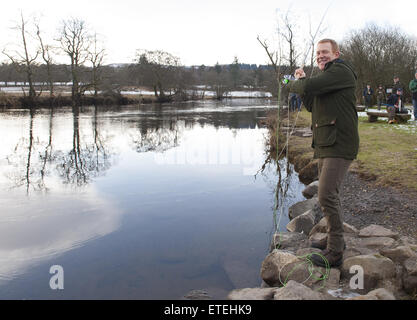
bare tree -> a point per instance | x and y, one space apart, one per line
75 42
46 53
22 56
275 59
288 33
96 57
312 39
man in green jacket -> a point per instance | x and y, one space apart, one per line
330 97
413 89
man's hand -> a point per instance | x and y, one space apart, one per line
299 73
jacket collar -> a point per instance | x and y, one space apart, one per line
328 64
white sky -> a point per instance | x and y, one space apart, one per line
202 32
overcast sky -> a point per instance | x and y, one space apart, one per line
202 32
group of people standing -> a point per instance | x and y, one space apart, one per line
394 100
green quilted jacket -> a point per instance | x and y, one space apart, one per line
330 97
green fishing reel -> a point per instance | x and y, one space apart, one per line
287 79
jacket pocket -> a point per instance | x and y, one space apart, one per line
325 132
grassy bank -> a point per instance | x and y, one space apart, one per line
387 155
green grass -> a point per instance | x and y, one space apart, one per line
388 153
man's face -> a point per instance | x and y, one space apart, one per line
396 80
325 54
416 75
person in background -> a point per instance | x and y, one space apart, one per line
397 85
395 105
381 97
367 96
413 89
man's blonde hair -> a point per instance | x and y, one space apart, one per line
335 46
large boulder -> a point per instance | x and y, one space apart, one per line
311 190
373 244
297 291
375 268
252 294
290 241
280 266
399 254
410 275
410 266
301 207
309 173
377 231
302 224
273 265
321 227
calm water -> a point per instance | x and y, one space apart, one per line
135 202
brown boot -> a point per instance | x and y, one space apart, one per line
327 259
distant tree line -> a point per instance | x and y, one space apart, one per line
377 54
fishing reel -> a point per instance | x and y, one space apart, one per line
288 78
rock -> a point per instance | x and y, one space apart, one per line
381 294
376 243
408 241
363 298
296 291
252 294
410 266
302 224
311 190
280 267
399 254
290 241
353 252
197 295
320 227
333 281
318 237
378 294
377 231
375 267
347 228
273 265
301 207
309 173
410 284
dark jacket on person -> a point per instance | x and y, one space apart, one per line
380 95
413 88
397 86
330 97
368 93
397 101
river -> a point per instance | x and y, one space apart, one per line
132 202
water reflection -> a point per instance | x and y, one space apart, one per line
140 202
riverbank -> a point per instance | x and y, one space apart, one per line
379 214
381 185
380 221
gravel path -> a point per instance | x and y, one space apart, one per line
364 204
